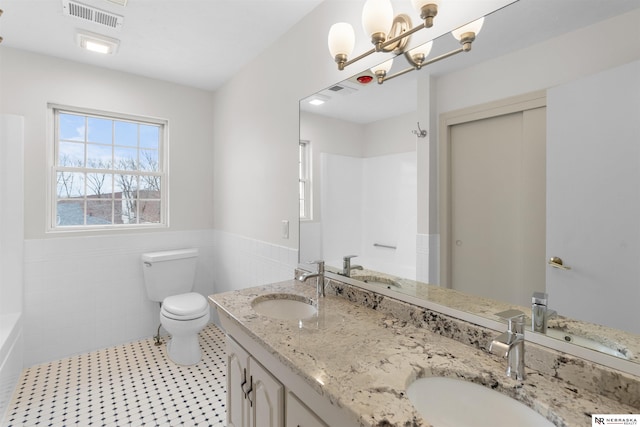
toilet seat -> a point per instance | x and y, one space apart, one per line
187 306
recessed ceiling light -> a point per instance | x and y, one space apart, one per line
318 99
97 42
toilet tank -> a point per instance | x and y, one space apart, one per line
169 273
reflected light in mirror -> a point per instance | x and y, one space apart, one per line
318 99
385 66
420 53
381 70
472 27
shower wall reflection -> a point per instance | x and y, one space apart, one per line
364 180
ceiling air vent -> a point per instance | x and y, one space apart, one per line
91 14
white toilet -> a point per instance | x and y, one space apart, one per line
169 278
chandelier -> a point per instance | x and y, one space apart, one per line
392 34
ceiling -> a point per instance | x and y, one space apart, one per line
199 43
203 43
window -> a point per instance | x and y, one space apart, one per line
109 171
304 168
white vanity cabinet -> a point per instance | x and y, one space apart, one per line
254 397
298 415
263 392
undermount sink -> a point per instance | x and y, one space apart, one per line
284 306
584 342
378 280
450 402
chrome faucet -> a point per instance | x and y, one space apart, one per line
510 344
540 313
318 274
347 267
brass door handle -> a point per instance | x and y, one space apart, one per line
556 262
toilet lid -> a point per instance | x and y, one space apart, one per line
185 305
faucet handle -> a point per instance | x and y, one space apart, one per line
515 320
515 324
540 298
346 257
319 263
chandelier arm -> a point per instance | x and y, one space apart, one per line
398 74
415 67
358 58
385 44
403 35
443 56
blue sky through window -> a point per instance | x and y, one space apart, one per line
107 170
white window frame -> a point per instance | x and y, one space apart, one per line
304 180
52 160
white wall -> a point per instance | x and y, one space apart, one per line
390 136
328 135
84 291
11 213
11 252
544 65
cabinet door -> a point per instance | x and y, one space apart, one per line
237 372
267 398
298 415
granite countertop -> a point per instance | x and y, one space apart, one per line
623 343
362 361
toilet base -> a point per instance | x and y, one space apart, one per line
184 346
184 350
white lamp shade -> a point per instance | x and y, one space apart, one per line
423 48
377 16
418 4
341 39
473 27
385 66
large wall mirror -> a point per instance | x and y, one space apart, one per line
532 153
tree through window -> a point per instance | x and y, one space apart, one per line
108 171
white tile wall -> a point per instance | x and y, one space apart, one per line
86 293
241 262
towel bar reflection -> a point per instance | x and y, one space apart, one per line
556 262
378 245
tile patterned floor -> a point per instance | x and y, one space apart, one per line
128 385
